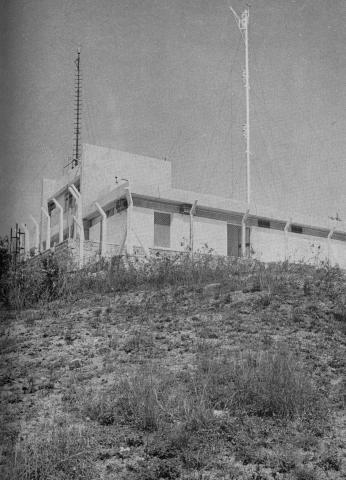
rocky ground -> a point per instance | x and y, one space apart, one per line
128 385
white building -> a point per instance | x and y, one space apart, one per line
116 202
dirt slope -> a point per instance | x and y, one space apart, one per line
89 388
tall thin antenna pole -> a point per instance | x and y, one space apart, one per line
243 24
78 99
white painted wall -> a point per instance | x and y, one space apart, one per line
210 232
180 231
101 165
306 248
269 246
142 228
206 231
95 231
338 253
116 227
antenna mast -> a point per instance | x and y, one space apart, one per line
78 105
243 24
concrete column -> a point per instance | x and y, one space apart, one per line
44 211
104 229
243 233
61 220
26 240
329 239
37 234
129 240
77 196
287 226
81 240
192 213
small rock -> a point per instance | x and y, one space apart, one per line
75 363
219 413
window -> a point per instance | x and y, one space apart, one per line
162 224
296 229
263 223
110 212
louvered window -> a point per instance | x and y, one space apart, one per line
162 225
296 229
263 223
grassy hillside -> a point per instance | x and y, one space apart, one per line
156 373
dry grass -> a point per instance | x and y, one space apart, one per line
57 451
167 381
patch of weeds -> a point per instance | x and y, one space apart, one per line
158 469
138 402
58 451
99 406
304 473
273 383
265 300
8 344
208 332
267 340
330 461
297 315
138 341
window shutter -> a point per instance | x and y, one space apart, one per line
162 225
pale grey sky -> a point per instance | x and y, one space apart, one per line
163 78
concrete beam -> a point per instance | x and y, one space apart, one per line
61 220
104 228
46 214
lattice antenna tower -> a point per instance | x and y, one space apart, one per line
78 113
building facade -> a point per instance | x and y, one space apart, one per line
115 202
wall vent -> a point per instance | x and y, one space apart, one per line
185 208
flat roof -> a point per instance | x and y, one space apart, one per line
213 202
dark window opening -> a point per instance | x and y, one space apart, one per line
121 204
68 201
51 206
296 229
110 212
263 223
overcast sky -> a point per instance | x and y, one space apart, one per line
163 78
